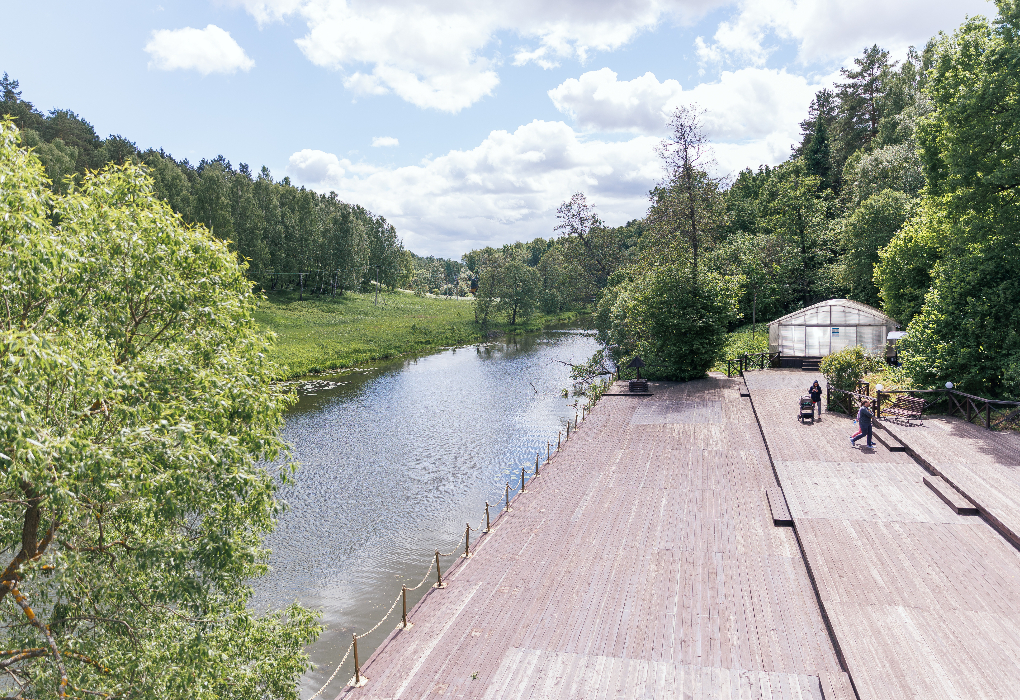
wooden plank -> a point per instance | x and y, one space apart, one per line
777 506
952 498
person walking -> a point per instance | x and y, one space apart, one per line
863 422
815 392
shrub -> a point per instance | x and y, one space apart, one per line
677 329
846 368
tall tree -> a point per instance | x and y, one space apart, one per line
686 204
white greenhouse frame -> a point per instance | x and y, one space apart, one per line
829 326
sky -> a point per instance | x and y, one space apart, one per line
464 122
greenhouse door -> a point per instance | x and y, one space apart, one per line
817 341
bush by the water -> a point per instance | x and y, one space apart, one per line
677 328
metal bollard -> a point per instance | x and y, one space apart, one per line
568 430
548 451
508 496
357 664
403 592
439 573
536 463
559 435
523 490
575 421
467 541
487 527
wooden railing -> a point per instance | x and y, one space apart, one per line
759 360
845 401
991 413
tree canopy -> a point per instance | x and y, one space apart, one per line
137 410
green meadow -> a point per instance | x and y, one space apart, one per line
320 334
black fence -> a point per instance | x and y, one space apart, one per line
759 360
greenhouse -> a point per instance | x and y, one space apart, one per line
828 327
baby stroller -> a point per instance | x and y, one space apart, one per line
807 409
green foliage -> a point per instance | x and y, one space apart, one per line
678 330
274 227
967 330
965 240
904 271
320 334
866 231
745 340
136 409
846 368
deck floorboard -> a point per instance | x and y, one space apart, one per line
924 602
642 563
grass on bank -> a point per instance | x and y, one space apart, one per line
322 333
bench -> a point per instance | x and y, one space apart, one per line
905 407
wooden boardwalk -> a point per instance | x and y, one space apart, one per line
983 465
642 563
922 602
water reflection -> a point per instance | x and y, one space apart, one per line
394 461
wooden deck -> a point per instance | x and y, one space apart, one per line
981 464
923 602
642 563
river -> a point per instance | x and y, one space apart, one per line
394 461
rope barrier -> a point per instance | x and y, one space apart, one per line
432 564
365 634
339 666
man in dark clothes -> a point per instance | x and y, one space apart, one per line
815 392
863 424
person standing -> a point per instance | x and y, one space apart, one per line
815 392
863 421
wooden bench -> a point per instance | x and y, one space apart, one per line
905 407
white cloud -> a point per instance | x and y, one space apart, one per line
833 29
439 54
209 50
598 101
752 115
310 165
505 189
384 141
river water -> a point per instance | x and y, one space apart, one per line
394 461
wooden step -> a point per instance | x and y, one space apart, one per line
777 505
953 498
888 440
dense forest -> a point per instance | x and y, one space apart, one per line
290 237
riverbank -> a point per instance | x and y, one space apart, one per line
320 333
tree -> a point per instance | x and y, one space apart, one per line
965 332
136 410
591 251
686 205
518 288
866 231
818 156
860 101
677 328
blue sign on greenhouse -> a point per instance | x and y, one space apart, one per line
835 331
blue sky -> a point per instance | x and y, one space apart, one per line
485 115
